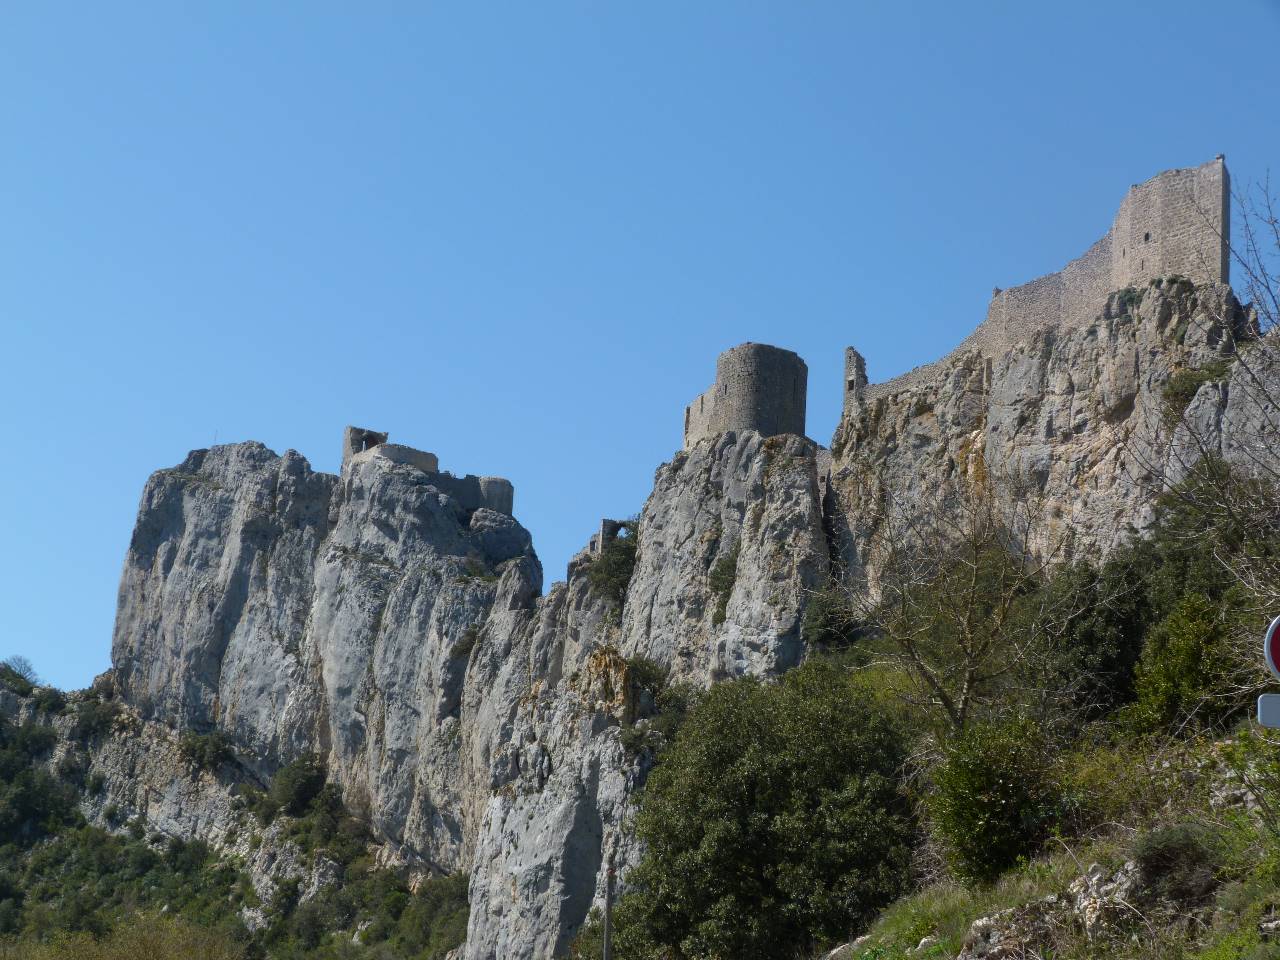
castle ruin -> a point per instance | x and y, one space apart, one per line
1176 223
471 492
758 387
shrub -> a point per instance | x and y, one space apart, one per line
50 700
660 706
724 574
1183 386
1181 673
647 676
434 921
1177 864
296 784
828 623
994 798
18 675
94 717
1130 297
206 751
773 822
462 649
609 573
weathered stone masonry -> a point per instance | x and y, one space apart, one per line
758 387
471 492
1178 222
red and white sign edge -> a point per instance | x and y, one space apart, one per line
1271 647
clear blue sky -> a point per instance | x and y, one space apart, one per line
518 234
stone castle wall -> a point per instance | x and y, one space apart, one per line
471 492
1178 222
758 387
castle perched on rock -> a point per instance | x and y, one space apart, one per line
1178 223
471 492
758 387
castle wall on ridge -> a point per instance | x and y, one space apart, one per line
1178 222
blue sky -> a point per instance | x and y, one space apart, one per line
518 234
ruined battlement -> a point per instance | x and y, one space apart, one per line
758 387
472 492
1178 222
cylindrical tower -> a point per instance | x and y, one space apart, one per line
761 388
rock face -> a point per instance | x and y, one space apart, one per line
379 621
391 621
1075 419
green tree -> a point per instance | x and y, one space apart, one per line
774 823
994 798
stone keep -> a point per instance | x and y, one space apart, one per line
758 387
1176 223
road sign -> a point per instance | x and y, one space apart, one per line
1269 703
1269 710
1271 646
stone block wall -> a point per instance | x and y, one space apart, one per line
470 492
1178 222
758 387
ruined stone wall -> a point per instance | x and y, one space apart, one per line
758 387
1178 222
471 492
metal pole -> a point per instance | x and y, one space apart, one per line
607 953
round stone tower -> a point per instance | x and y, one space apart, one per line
758 387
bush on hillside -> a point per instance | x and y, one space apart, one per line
50 700
296 784
1182 674
206 751
18 675
724 574
773 823
94 717
1177 864
609 573
995 798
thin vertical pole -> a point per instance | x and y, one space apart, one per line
607 953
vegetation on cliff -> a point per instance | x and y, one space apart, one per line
71 890
1009 721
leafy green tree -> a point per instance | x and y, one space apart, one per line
994 798
773 823
296 784
1183 674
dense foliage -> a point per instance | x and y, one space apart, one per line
773 823
610 571
994 798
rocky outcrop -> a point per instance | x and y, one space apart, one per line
395 630
1074 420
392 623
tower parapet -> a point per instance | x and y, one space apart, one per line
758 387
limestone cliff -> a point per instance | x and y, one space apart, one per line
379 621
1077 418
